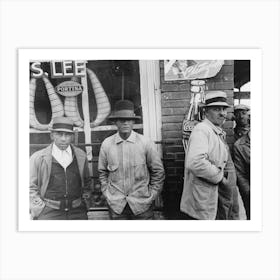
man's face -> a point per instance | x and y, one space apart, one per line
216 114
241 117
124 126
62 139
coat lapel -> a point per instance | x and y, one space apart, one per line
81 162
47 157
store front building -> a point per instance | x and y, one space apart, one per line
162 103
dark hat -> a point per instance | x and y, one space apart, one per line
62 124
242 107
124 109
216 98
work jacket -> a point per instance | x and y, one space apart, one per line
130 171
241 158
40 170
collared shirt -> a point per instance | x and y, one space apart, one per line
64 157
40 173
218 130
239 131
130 171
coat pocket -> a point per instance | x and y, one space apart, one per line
113 172
140 169
36 210
205 195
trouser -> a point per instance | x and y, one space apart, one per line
127 214
185 216
79 213
228 206
246 202
234 215
225 197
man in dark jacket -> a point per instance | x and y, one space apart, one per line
59 177
242 119
241 157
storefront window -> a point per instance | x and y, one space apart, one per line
119 79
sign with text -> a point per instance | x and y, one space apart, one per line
60 69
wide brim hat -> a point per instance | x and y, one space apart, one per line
62 124
216 98
124 110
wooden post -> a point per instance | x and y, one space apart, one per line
87 129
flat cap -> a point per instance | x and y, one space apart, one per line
242 107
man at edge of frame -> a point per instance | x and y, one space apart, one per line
206 178
59 177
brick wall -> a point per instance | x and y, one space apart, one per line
175 102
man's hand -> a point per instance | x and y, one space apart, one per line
86 195
225 182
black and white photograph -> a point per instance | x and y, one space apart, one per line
141 139
122 175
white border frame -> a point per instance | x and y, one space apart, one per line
25 55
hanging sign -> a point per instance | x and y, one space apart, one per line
191 69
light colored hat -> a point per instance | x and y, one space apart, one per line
124 109
62 124
242 107
216 98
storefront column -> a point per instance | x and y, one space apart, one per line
151 99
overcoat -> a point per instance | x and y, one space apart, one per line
205 160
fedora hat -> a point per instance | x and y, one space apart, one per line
62 124
124 109
216 98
